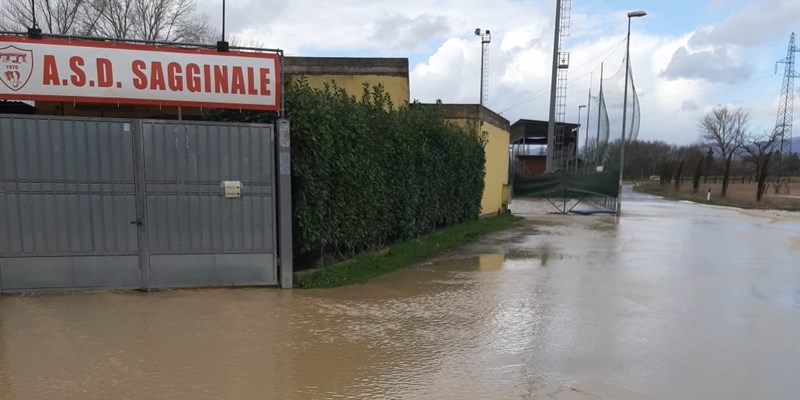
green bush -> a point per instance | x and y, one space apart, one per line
365 173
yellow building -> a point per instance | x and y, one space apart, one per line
351 74
469 117
392 73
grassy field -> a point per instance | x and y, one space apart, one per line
373 264
741 195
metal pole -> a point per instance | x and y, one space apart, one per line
482 54
284 185
588 113
223 20
486 38
33 14
578 135
551 124
625 104
624 114
599 98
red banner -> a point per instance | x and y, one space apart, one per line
108 72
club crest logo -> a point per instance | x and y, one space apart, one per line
16 66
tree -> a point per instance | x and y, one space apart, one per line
163 20
152 20
725 130
63 17
115 19
763 172
679 176
698 172
759 146
589 154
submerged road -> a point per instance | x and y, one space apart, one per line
671 301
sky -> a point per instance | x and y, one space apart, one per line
687 56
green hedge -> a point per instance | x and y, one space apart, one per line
365 173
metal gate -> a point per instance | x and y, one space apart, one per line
104 203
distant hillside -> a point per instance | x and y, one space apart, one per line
795 142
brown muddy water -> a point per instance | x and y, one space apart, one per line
671 301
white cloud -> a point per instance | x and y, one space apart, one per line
756 23
445 54
717 65
447 74
400 32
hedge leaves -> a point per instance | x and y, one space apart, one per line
365 173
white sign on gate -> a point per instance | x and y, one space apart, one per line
109 72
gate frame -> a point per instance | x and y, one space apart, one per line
280 202
141 205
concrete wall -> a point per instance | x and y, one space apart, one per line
468 117
352 73
496 169
532 165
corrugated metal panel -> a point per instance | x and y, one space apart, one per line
66 187
70 189
184 166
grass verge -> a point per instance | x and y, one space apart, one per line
373 264
739 195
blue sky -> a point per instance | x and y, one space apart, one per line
687 56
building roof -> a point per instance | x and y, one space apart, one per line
529 131
473 111
345 66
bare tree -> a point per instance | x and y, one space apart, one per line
197 30
588 154
153 20
162 19
59 16
115 19
16 15
758 146
64 17
247 41
724 129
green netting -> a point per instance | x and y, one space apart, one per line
604 122
602 145
567 184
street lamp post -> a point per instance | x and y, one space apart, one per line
578 135
632 14
486 38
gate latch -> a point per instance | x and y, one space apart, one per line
231 189
137 222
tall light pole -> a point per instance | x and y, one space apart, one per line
486 38
632 14
578 135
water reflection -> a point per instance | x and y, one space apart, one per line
670 301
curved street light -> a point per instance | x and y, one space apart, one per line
632 14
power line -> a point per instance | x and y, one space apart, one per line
536 94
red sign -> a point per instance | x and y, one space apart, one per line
107 72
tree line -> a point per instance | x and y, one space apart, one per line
727 147
151 20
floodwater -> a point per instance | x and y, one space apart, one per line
671 301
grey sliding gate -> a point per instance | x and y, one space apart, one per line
104 203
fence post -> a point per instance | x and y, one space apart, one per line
284 184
